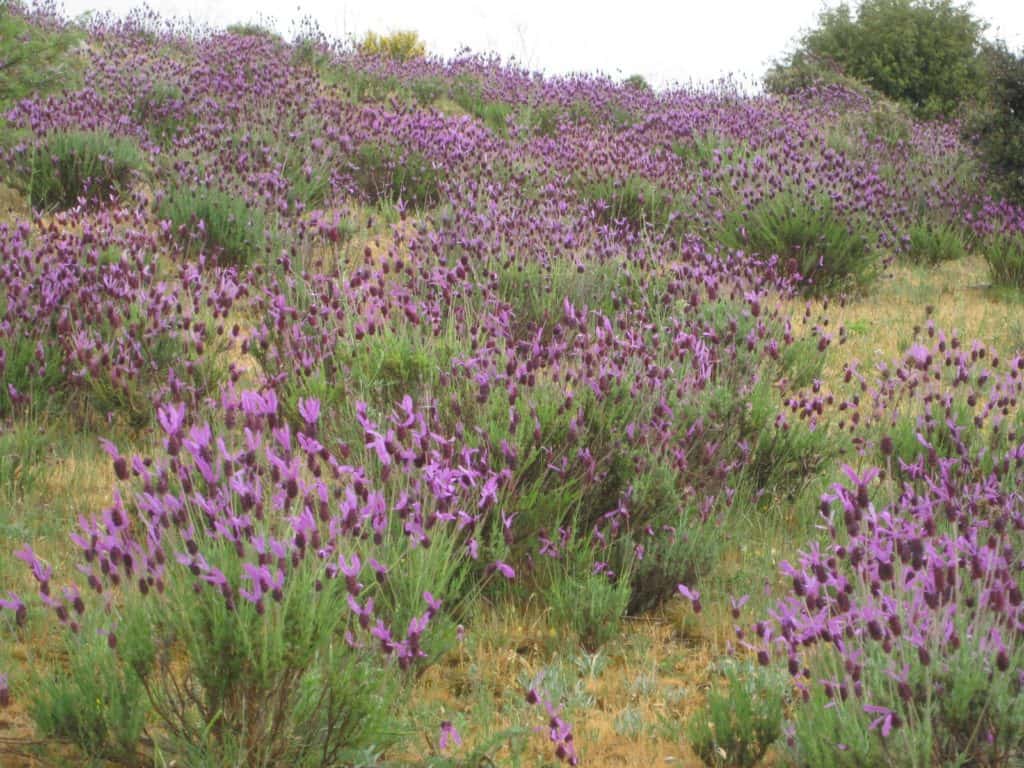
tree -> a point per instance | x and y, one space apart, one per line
921 52
996 123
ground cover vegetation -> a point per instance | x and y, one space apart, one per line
360 408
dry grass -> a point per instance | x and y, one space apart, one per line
882 325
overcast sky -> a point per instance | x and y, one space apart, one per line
664 40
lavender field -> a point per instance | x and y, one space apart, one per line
360 412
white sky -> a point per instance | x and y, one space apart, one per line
666 40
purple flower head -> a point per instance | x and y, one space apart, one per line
692 595
309 410
448 736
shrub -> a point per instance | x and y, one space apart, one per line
495 116
162 111
932 243
635 200
215 222
589 603
996 122
542 119
96 705
71 165
23 446
1005 256
683 550
360 85
240 637
427 90
36 59
958 710
920 52
823 246
699 150
898 635
637 83
736 725
253 29
388 173
402 45
203 662
33 369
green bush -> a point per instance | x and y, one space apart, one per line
215 222
41 382
1005 256
23 446
253 29
542 119
35 60
387 173
94 704
824 246
204 665
637 83
427 90
996 123
402 45
682 555
920 52
590 605
699 150
636 200
960 711
161 110
738 723
70 165
495 116
932 243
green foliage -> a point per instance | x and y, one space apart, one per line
253 29
95 704
960 711
204 665
542 119
495 116
997 120
388 173
682 555
802 362
738 723
70 165
920 52
858 131
536 291
360 85
41 381
825 246
402 45
590 605
783 459
804 71
637 83
636 200
23 447
33 59
935 242
161 109
700 149
214 222
427 90
1005 256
